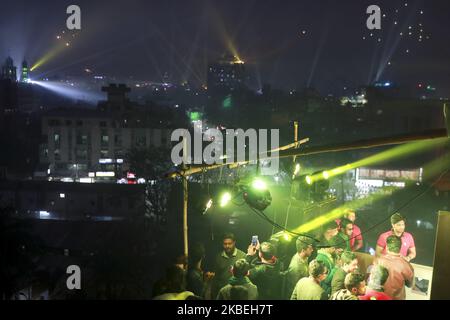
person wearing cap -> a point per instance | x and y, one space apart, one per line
327 255
408 248
401 273
265 270
298 268
375 287
327 231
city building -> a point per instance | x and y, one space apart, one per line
24 75
93 143
47 200
9 71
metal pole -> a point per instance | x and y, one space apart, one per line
295 137
185 222
185 200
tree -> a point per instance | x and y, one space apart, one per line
18 248
149 163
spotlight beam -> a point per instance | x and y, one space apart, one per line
388 155
336 213
69 91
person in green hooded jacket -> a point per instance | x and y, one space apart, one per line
326 254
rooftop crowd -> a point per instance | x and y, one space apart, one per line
330 267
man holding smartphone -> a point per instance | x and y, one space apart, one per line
265 270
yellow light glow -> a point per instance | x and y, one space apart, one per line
259 184
50 55
337 213
385 156
226 197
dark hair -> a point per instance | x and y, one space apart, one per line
302 243
316 268
174 280
396 218
330 225
267 250
394 244
196 253
378 276
347 257
353 280
238 293
337 242
240 268
345 222
228 235
181 259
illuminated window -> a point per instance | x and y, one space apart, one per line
104 139
57 139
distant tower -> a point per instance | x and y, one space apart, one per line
9 71
25 77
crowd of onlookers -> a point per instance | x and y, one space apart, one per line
326 266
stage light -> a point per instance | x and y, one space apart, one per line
326 174
308 180
225 199
259 184
209 204
286 236
257 195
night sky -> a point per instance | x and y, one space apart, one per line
288 44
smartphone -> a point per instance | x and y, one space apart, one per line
254 240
